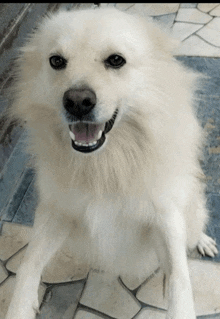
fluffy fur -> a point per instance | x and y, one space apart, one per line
139 199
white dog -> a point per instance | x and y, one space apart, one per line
110 116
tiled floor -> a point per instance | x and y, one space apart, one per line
92 295
64 293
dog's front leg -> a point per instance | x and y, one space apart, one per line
48 237
173 254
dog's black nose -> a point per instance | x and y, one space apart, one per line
79 102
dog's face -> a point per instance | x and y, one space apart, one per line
89 66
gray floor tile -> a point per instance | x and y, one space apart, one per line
61 301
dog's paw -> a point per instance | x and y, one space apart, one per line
207 246
24 309
23 313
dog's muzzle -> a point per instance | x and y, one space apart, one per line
86 136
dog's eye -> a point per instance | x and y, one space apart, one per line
115 61
57 62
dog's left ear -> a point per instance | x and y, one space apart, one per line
164 44
163 41
159 36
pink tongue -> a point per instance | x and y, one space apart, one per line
85 132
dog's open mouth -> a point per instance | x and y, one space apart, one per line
88 137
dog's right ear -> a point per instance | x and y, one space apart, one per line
25 68
29 61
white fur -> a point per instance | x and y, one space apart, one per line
139 199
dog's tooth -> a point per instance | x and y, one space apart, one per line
92 143
72 135
85 144
100 134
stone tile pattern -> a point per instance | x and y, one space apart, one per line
98 295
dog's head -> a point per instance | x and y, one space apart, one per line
90 68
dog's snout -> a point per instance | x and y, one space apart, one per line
79 102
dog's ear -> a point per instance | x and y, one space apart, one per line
25 68
162 40
29 61
158 35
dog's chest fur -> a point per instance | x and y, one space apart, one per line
115 234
